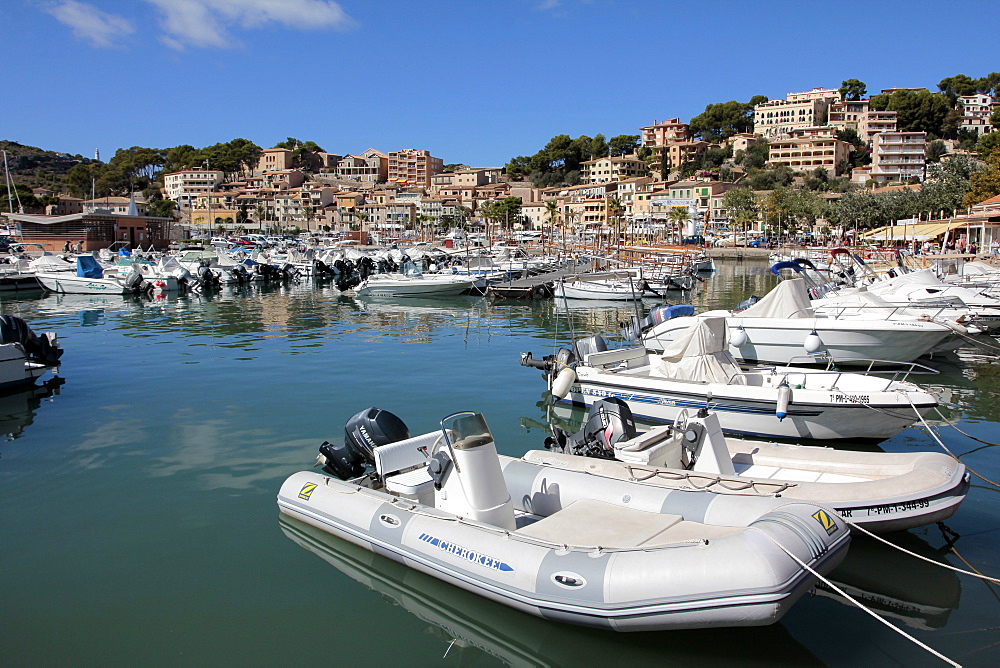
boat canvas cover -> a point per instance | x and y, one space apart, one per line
87 267
920 278
788 299
861 302
700 353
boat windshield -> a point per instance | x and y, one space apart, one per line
411 270
466 430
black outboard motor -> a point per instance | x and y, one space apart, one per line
42 349
134 281
608 422
363 433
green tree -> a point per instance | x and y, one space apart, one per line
986 183
623 144
679 217
724 119
916 111
987 143
852 89
161 208
936 149
742 207
958 85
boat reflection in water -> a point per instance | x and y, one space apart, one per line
468 624
897 585
18 406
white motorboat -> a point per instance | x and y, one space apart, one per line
24 356
925 290
786 327
413 283
878 491
89 279
608 286
696 370
562 545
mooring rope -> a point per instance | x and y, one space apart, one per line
973 573
850 598
945 447
955 427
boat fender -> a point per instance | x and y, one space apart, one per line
438 468
784 398
952 325
739 337
562 383
813 343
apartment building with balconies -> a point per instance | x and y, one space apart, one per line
371 166
976 113
411 166
806 153
611 169
860 117
898 156
188 184
662 133
776 118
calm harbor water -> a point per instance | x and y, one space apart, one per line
139 524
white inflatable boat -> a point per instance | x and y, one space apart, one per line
561 544
879 491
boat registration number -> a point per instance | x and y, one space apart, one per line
886 509
850 398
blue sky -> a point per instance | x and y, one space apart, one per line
473 82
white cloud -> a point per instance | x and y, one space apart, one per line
546 5
206 23
90 23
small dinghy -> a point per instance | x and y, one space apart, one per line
560 544
879 491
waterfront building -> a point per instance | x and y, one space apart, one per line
184 186
898 156
96 230
411 166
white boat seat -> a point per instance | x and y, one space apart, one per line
405 454
415 483
596 523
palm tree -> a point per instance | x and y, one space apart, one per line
552 212
679 216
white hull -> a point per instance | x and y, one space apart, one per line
597 290
879 491
823 405
389 285
718 565
782 341
68 283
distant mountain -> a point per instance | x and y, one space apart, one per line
38 168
